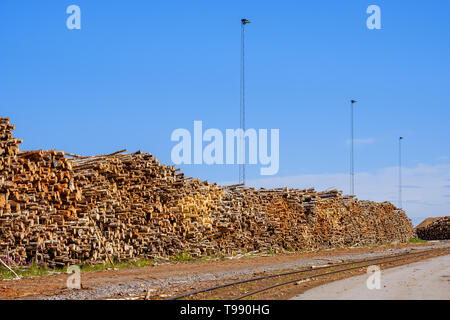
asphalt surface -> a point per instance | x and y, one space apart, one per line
423 280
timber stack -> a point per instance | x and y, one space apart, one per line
64 209
434 229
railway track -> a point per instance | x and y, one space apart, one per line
262 284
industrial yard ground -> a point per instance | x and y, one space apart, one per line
422 280
167 279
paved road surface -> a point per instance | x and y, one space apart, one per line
428 279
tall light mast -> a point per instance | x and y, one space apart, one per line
352 154
242 102
400 172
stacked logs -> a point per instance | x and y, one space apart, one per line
434 229
66 209
37 192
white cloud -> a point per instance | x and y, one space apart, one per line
424 195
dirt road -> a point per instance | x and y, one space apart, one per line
428 279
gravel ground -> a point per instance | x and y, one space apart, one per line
174 278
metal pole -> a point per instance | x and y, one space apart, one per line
352 154
400 172
242 102
242 111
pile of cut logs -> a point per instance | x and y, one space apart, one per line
434 229
66 209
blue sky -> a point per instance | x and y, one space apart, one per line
137 70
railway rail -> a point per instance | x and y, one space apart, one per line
311 272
